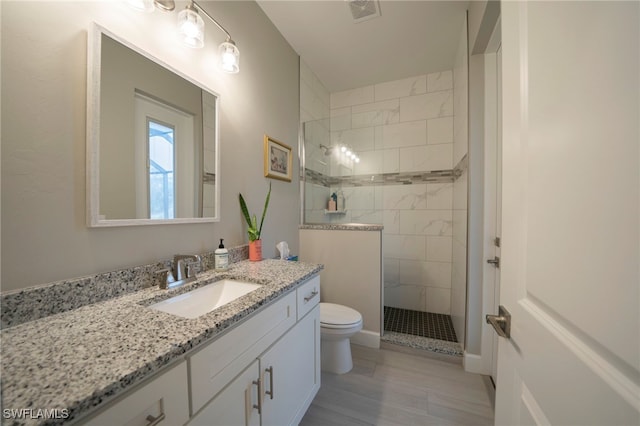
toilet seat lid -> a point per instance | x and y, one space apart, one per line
333 314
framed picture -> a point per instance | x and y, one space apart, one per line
277 159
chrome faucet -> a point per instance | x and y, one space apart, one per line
181 266
182 272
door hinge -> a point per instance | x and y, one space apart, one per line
496 241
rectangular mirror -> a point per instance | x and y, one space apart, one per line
152 140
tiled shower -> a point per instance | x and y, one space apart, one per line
411 139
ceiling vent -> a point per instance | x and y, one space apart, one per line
363 10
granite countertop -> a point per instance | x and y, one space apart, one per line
78 359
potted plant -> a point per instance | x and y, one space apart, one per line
255 243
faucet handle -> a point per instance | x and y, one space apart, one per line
166 277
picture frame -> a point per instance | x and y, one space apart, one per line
278 160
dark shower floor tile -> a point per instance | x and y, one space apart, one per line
424 324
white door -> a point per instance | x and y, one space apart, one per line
570 223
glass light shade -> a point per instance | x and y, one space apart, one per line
142 5
357 159
191 28
229 57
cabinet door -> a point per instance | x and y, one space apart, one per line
236 405
291 372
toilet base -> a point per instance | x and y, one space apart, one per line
336 356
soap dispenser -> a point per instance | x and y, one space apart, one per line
221 257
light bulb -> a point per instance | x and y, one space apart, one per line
229 57
191 27
343 148
357 159
348 153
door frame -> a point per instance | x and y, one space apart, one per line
478 356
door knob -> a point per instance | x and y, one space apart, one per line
501 322
495 262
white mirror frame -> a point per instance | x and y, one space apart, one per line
94 52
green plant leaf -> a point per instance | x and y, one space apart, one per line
245 211
252 222
264 212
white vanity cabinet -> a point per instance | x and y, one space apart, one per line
266 371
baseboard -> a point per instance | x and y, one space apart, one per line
367 338
473 363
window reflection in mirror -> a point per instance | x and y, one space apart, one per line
153 156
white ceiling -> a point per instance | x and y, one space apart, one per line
409 38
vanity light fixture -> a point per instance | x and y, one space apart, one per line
191 28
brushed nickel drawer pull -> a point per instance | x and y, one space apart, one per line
270 391
313 294
153 421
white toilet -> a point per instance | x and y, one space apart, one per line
337 324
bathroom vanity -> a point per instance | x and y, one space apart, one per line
253 361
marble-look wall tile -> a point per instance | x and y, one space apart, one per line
359 139
460 192
391 221
411 247
426 222
439 249
340 119
440 130
401 88
438 300
315 216
370 163
427 274
360 95
358 198
439 196
391 268
440 81
404 134
366 216
405 197
405 297
390 160
459 223
439 157
375 114
427 106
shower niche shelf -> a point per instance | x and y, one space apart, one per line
339 212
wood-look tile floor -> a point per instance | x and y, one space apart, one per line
388 387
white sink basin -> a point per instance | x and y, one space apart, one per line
205 299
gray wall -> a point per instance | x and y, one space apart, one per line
44 236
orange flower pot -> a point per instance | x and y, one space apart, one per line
255 250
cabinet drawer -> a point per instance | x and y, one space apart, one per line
308 296
222 360
165 396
